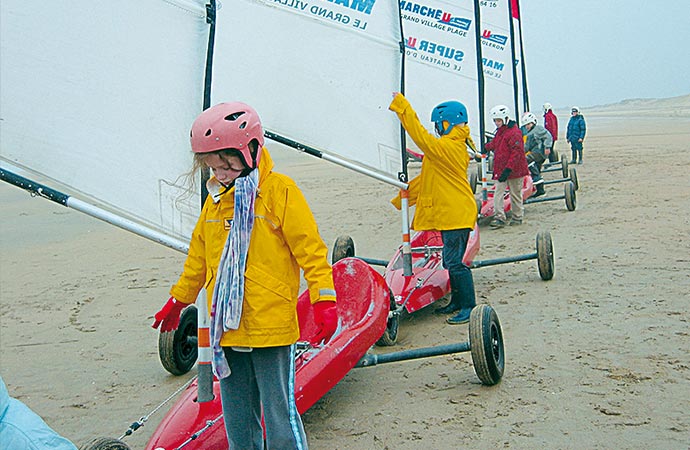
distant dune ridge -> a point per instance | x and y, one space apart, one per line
659 107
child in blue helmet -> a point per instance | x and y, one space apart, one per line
442 193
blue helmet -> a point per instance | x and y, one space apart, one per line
452 112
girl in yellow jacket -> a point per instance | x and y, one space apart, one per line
254 234
442 193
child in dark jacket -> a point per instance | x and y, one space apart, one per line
575 135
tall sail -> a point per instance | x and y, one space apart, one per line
519 52
443 61
99 97
497 55
319 72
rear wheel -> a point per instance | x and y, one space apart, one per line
105 444
570 196
344 247
390 335
553 157
177 349
573 177
486 345
564 166
545 255
473 182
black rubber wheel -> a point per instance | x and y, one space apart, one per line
573 177
545 255
344 247
564 166
105 444
570 196
486 345
390 335
553 157
473 182
177 349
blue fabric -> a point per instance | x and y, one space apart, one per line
576 128
23 429
461 282
228 293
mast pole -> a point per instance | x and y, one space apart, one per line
406 249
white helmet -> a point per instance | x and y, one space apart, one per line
500 112
528 117
575 108
547 107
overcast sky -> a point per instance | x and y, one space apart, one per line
593 52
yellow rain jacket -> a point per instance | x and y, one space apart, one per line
284 238
441 191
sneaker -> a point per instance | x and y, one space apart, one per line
462 317
579 163
497 223
515 222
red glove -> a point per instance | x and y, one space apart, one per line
169 316
326 319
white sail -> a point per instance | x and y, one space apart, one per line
442 59
318 72
497 56
99 96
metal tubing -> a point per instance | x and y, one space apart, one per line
93 211
334 159
543 199
552 168
509 259
373 262
416 353
558 180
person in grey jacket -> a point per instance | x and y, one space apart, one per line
538 144
577 128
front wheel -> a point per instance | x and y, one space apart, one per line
344 247
486 345
178 349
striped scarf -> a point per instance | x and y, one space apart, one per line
228 293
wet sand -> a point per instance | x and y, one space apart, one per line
595 358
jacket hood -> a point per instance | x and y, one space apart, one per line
459 132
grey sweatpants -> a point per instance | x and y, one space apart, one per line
263 377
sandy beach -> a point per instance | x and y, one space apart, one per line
596 358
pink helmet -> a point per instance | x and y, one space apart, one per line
228 126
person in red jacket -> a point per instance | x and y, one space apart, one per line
510 166
551 124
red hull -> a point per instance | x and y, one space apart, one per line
427 266
363 305
487 209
